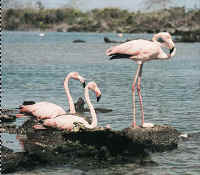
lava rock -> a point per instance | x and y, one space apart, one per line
10 160
99 147
79 107
78 41
8 115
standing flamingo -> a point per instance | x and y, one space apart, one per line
68 122
141 51
43 110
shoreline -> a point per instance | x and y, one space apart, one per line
184 37
176 21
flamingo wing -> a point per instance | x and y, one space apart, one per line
125 48
64 122
136 49
43 110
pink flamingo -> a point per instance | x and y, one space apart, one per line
43 110
141 51
67 122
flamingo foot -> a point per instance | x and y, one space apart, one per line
20 115
39 127
134 125
147 125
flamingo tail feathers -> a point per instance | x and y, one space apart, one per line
119 56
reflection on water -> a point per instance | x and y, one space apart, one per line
34 68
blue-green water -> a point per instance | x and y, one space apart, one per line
34 68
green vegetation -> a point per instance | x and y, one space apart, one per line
174 20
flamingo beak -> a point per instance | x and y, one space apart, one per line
171 50
83 84
98 98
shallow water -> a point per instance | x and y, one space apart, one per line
34 68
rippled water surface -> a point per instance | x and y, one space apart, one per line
34 68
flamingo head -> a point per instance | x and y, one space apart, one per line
93 86
166 41
76 76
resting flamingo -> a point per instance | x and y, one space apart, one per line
67 122
141 51
43 110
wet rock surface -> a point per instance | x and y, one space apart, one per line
8 115
79 41
10 160
99 147
187 35
96 148
80 107
108 40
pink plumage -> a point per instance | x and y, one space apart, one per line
141 51
44 110
67 122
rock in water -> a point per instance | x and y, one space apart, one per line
99 147
28 102
10 160
79 105
8 115
158 138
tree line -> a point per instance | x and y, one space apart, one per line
101 20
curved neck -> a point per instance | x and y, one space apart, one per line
69 97
162 54
92 111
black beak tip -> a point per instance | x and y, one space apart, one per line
84 84
98 98
171 50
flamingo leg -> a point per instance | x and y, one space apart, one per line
139 94
133 95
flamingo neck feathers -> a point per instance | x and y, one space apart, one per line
92 111
166 44
162 54
70 100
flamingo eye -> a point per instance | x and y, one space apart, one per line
161 40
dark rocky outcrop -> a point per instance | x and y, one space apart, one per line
187 36
28 103
158 138
99 147
108 40
78 41
8 115
80 107
9 160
